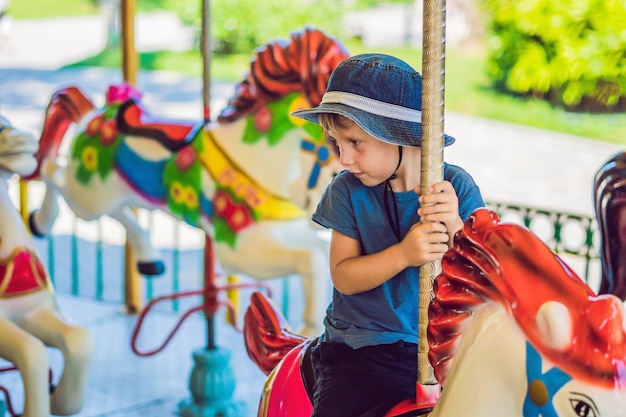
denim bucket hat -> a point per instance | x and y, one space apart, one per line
380 93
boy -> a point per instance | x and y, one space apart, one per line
366 360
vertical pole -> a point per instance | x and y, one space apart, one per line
205 45
433 59
209 256
210 291
129 52
132 291
23 196
212 380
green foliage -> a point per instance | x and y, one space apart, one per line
367 4
572 52
242 25
30 9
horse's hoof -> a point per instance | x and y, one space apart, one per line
151 268
33 227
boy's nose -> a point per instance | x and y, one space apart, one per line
345 158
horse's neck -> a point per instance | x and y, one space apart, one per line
274 167
12 231
487 377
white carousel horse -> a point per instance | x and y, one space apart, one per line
513 332
250 180
29 316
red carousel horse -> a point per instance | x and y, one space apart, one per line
512 332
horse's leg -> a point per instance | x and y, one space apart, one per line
148 258
42 219
77 346
30 356
267 253
313 270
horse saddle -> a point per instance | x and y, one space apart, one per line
174 135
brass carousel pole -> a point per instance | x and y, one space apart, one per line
433 58
132 288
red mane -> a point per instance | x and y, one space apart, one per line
67 105
302 64
508 264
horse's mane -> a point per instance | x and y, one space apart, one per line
303 63
610 209
508 264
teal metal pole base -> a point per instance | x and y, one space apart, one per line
212 384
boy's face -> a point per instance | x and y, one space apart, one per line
367 158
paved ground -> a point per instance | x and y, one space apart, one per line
122 384
510 163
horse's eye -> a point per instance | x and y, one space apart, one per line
582 408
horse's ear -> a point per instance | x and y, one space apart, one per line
554 323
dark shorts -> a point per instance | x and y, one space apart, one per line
363 382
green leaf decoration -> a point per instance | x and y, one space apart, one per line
223 233
106 156
83 175
192 216
175 208
110 110
281 122
315 131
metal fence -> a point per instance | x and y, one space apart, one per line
574 237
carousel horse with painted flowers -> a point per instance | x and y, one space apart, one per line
512 332
30 319
249 180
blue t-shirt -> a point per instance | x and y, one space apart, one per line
387 313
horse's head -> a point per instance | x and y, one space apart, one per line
512 311
286 76
67 105
17 150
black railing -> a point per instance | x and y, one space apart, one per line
564 233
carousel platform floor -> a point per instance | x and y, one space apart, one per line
123 384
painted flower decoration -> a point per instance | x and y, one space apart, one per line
220 203
185 158
94 125
252 197
190 197
236 215
108 132
542 386
184 195
263 120
176 192
239 218
227 177
90 158
121 92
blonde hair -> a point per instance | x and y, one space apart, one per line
335 121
